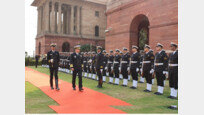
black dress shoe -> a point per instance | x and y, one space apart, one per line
141 82
110 83
124 85
74 88
133 87
81 89
157 93
52 88
147 90
115 84
170 96
98 86
57 88
174 107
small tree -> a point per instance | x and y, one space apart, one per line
87 48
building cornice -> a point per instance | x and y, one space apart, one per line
67 36
124 6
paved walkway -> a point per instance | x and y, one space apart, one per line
88 101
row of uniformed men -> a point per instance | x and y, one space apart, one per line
120 65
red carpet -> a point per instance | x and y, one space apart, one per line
70 101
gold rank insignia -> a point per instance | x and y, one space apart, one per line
101 67
71 65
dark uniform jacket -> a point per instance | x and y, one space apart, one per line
135 60
105 61
76 61
93 64
117 61
55 56
161 58
148 57
85 61
173 58
99 60
125 61
110 61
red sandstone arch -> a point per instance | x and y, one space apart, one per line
140 21
65 47
39 48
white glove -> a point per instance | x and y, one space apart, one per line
51 60
119 68
151 71
106 68
165 72
101 70
141 70
111 68
128 69
137 69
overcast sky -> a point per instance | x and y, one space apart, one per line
30 26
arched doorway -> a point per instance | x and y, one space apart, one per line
139 31
65 47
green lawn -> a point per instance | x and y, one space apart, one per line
142 102
36 101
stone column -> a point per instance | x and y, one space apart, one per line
59 27
52 20
38 25
46 15
72 20
40 20
78 20
68 19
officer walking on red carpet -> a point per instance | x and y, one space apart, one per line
76 65
160 67
99 65
53 62
173 71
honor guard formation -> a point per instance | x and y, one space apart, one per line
118 66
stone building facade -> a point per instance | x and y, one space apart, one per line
125 19
68 23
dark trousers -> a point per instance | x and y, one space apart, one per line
74 74
124 72
36 64
173 77
110 72
134 74
88 69
104 72
147 76
116 72
55 72
85 69
160 78
99 74
93 70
